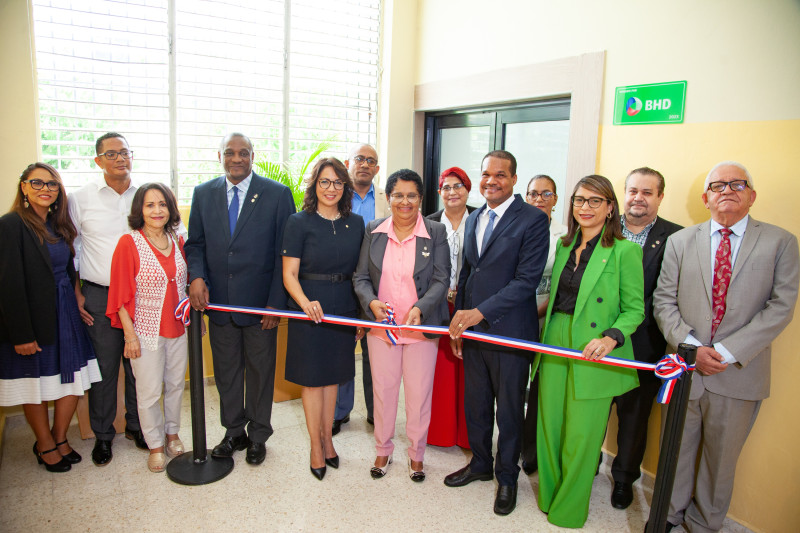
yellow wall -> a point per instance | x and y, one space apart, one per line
19 116
741 60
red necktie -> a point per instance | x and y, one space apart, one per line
722 278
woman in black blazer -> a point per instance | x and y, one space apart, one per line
45 351
405 262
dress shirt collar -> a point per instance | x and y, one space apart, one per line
102 184
499 210
370 192
737 229
388 227
243 185
449 225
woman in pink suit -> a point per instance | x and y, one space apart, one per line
405 262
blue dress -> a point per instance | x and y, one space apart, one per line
68 367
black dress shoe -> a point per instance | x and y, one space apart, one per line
319 473
72 457
337 424
101 454
332 461
256 453
137 437
465 476
667 527
506 499
529 467
228 445
622 495
62 466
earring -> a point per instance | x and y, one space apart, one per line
26 201
608 216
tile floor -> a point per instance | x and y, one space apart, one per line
281 494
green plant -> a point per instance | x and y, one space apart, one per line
291 173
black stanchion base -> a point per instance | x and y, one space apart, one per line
184 470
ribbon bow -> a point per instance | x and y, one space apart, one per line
669 368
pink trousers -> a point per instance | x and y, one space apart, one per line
415 364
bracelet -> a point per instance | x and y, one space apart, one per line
132 340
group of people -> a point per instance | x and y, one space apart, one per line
616 280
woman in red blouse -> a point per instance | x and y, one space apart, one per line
148 279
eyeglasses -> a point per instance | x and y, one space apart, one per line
38 185
594 202
371 161
454 187
411 197
326 184
244 154
546 195
111 155
735 185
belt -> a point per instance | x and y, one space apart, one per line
93 284
333 278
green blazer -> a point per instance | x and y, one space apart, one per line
611 295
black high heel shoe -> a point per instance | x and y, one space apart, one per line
333 462
319 473
72 457
61 466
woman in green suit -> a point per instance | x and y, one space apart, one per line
596 302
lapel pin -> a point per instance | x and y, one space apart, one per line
426 254
658 242
255 195
347 225
424 247
652 245
253 199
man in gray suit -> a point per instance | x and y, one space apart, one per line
728 286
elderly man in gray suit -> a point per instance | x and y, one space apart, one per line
728 286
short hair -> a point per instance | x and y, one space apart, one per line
728 164
602 186
647 171
502 154
357 147
136 218
230 136
405 174
542 177
310 199
98 144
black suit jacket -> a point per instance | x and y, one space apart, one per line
502 282
27 285
243 269
648 342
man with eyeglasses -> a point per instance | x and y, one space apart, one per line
728 286
644 191
505 251
370 203
233 254
100 212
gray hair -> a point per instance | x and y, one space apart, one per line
230 136
728 164
358 147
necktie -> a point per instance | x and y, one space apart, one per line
722 279
233 210
488 231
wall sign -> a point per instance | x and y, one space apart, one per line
655 103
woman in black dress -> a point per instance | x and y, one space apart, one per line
320 252
45 351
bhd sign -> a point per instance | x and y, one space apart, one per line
656 103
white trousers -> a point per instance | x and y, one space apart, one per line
165 366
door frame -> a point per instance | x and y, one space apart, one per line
578 77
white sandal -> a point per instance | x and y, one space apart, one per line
157 462
378 472
175 448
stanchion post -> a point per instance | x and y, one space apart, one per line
671 445
197 468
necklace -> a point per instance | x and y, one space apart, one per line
166 246
337 217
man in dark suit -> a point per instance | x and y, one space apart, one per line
505 251
233 253
644 190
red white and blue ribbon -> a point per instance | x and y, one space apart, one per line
671 365
390 320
